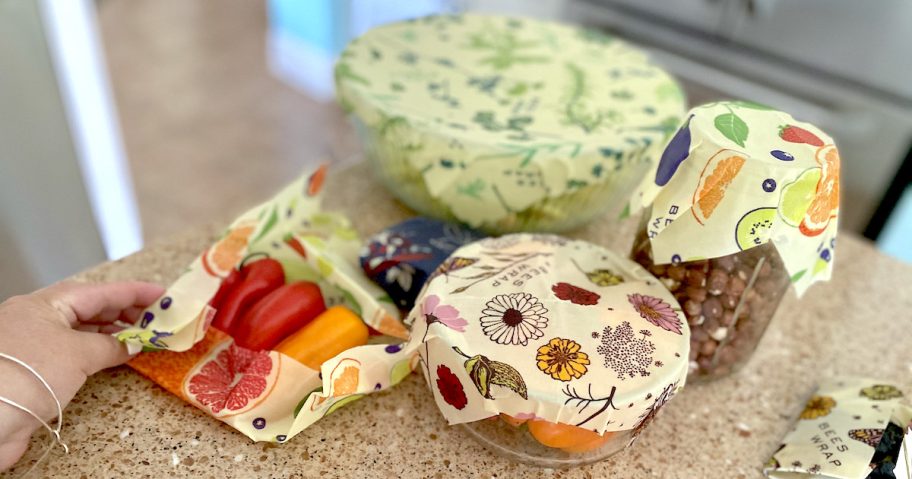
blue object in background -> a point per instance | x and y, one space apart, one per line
401 258
896 237
305 38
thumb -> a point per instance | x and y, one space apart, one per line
102 351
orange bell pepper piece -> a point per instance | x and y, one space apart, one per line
332 332
569 438
593 444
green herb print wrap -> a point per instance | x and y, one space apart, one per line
507 124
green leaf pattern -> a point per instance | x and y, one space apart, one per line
732 127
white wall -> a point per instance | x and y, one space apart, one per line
47 229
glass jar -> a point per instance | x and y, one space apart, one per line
728 302
545 444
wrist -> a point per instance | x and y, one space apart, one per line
18 385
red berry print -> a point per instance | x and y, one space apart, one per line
794 134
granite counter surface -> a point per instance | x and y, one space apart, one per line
123 425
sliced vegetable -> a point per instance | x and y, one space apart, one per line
280 313
248 285
228 284
336 330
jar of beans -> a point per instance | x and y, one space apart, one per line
728 302
744 205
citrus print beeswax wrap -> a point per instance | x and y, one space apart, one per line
507 123
264 394
844 432
738 174
540 326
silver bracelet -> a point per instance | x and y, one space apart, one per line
54 432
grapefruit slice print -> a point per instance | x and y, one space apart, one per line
720 170
232 380
825 204
168 368
221 257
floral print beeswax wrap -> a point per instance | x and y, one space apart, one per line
508 123
540 326
844 432
737 175
402 257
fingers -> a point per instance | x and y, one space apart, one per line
101 351
111 328
99 303
127 316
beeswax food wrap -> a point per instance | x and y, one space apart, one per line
540 326
507 124
851 428
264 394
738 174
402 257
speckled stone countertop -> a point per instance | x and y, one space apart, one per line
123 425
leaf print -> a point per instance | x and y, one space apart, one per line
881 392
576 112
514 260
604 277
504 49
504 375
798 276
732 127
270 223
600 277
583 402
488 121
473 188
344 70
485 372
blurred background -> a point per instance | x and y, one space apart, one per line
124 122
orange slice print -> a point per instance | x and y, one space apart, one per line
221 257
825 204
717 175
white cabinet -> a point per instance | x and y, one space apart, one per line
866 42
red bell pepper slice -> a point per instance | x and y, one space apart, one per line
251 283
280 313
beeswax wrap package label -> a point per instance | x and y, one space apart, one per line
844 432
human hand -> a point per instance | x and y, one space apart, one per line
64 333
